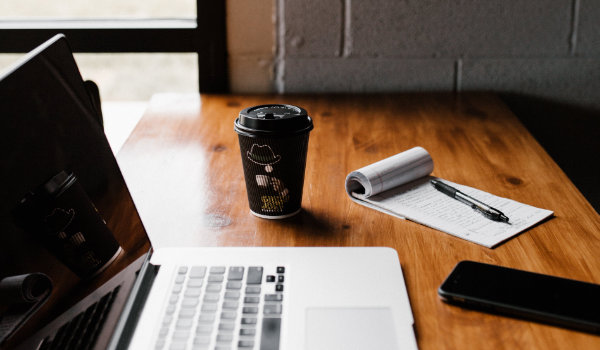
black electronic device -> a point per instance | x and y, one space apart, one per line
549 299
62 195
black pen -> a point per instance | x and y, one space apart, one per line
486 210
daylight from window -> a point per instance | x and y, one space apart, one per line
120 76
79 9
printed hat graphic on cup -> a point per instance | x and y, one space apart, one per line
263 155
273 144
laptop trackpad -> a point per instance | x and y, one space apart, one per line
350 328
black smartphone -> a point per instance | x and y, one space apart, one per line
549 299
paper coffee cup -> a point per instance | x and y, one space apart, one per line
273 143
62 215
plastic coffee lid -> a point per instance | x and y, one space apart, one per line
272 120
59 183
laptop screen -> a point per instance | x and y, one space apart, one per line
67 220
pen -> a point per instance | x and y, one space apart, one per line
486 210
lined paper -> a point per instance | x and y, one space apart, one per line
400 186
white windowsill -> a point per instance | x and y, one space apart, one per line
120 118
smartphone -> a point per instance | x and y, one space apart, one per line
549 299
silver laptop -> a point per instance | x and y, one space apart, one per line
101 284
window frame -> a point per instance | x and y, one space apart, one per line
205 36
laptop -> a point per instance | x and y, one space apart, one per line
105 286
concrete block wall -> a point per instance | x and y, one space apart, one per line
546 49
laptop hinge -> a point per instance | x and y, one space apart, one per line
133 307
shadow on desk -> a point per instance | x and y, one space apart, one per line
319 226
570 134
309 228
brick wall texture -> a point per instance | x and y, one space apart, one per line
546 49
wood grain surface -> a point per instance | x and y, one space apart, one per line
183 166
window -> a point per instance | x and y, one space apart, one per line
166 32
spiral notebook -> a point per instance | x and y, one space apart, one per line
400 186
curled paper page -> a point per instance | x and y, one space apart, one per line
388 173
20 297
401 186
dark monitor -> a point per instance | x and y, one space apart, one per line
65 211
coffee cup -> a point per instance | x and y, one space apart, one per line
61 214
273 143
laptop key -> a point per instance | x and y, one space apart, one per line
192 292
160 344
71 331
245 344
250 310
189 302
229 315
177 346
206 318
162 333
253 290
58 338
184 323
214 288
181 334
217 270
211 297
273 297
215 278
247 331
224 337
254 275
167 319
204 329
195 282
248 320
201 340
96 321
231 305
170 309
234 285
177 288
197 271
274 309
231 294
269 337
209 307
236 273
224 326
185 313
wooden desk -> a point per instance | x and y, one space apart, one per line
183 166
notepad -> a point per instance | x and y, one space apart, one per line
400 186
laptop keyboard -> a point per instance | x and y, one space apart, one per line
81 332
224 308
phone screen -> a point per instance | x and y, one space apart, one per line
541 297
